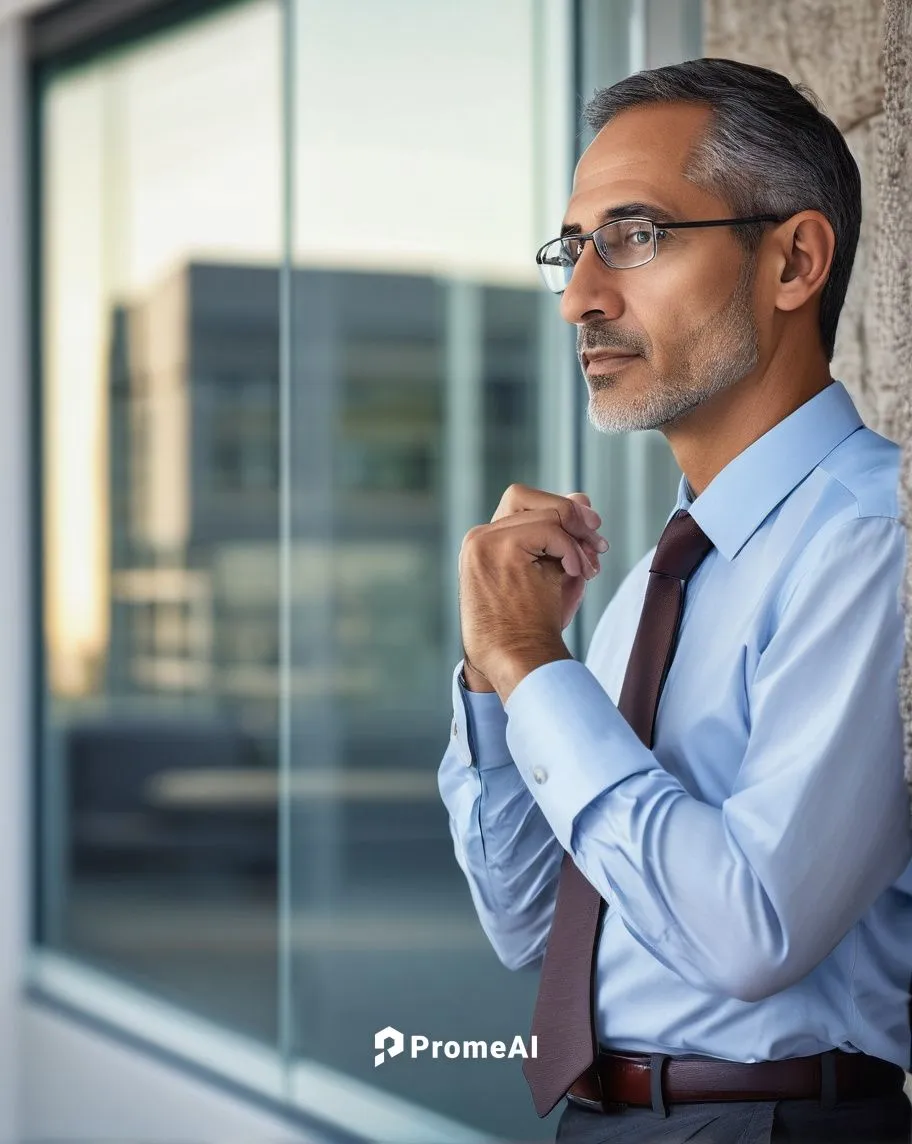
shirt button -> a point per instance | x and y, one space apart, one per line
539 774
455 730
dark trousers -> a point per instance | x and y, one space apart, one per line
874 1120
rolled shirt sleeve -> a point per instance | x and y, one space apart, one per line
748 897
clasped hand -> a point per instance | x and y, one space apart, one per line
521 581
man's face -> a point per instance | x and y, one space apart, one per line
686 318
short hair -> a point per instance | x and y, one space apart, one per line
768 149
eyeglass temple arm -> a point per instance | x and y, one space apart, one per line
715 222
669 226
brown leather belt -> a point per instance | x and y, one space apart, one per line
652 1080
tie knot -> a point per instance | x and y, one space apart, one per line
681 547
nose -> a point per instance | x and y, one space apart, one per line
592 291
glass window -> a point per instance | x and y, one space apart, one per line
266 424
161 221
292 346
418 370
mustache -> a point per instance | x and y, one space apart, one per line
607 338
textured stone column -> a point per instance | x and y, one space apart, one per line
893 280
835 47
854 55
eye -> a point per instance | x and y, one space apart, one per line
661 234
572 248
640 237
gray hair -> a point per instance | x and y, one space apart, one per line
769 149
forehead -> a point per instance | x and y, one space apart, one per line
641 155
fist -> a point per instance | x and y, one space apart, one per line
522 578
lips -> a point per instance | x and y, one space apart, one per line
592 360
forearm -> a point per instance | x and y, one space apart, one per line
709 903
675 871
736 899
502 841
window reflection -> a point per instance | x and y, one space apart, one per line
416 385
414 398
160 431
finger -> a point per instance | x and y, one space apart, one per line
536 534
571 563
571 522
591 554
522 498
601 544
544 542
539 535
582 501
592 542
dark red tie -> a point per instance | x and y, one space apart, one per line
563 1017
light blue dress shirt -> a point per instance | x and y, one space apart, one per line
756 861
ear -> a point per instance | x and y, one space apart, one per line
805 244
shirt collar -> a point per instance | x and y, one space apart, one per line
739 498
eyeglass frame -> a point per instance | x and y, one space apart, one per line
655 245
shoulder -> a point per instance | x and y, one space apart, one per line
865 469
837 537
849 499
846 523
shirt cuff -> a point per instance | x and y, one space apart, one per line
569 742
479 726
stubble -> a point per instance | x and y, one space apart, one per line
715 356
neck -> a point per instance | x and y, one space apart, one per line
717 430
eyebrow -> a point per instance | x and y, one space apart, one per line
625 210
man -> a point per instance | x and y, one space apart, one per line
707 820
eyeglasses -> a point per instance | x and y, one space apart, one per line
621 244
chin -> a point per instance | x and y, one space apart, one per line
609 416
617 413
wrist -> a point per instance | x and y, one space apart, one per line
474 680
516 664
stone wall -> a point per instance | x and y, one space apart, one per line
835 47
854 54
892 281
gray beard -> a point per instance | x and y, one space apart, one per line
718 355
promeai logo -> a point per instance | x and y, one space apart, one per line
391 1043
388 1037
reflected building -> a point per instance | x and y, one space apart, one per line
196 591
194 488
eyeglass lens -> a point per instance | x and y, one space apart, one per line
621 244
